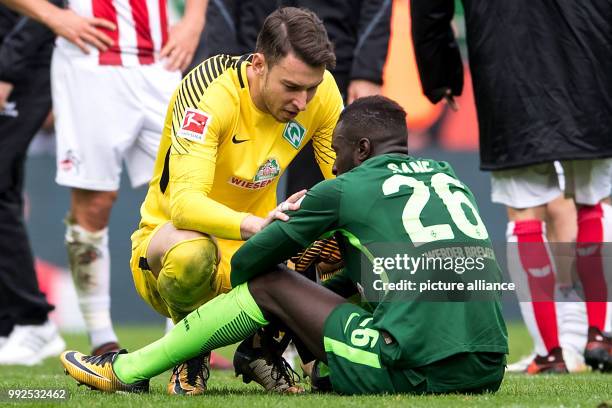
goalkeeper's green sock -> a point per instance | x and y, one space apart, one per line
225 320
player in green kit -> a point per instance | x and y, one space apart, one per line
381 199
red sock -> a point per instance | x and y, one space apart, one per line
589 263
536 263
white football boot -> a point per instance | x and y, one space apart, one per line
30 345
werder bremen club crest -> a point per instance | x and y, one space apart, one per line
294 133
267 171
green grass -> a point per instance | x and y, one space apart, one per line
577 390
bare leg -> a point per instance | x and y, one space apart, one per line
277 292
561 229
561 220
519 214
91 209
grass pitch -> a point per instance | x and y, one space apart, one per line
576 390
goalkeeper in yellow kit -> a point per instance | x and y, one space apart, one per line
233 125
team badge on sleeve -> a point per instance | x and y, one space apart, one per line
194 125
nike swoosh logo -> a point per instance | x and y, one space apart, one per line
237 141
70 357
351 317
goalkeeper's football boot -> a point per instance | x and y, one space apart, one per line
97 372
553 363
598 350
105 348
190 378
265 366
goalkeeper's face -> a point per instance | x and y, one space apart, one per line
288 86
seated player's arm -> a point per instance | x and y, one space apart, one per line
192 163
260 253
280 240
322 137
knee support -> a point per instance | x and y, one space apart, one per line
188 277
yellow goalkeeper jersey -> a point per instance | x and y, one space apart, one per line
220 157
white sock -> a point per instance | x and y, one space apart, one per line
89 259
572 318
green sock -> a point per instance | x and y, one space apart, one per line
224 320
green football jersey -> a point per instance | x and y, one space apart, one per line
410 235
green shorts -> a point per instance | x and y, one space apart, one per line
354 350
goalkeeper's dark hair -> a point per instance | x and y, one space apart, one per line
376 117
297 30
